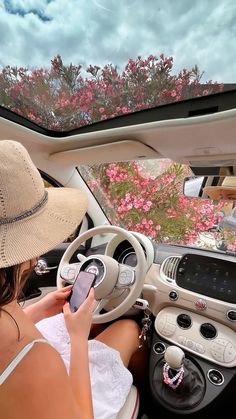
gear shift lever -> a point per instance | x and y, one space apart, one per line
173 370
180 382
174 356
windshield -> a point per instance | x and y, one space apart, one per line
64 65
147 197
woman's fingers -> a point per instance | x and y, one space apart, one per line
90 301
66 309
63 292
78 323
65 289
88 305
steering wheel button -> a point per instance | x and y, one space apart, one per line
123 280
71 273
64 272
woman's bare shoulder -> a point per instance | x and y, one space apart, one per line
40 387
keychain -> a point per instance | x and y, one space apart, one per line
146 326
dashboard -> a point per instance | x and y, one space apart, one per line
192 295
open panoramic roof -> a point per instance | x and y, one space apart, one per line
66 65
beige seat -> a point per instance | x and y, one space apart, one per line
131 406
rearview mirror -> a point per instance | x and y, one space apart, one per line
212 187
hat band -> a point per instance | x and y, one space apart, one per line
25 214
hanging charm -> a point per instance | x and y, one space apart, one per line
146 327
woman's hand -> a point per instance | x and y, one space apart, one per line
49 305
53 302
78 324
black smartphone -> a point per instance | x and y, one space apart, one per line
80 290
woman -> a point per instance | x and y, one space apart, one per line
34 382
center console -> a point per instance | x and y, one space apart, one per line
209 364
195 313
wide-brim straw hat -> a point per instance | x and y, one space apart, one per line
33 219
219 192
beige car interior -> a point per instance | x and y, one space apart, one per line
203 139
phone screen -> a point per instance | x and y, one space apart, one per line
80 290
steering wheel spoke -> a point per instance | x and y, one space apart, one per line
100 305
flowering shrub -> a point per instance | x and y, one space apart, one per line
226 239
153 205
66 97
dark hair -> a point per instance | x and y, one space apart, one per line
12 280
10 284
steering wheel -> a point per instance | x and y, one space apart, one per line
114 281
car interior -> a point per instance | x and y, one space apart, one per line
189 292
171 269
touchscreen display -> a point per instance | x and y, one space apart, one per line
213 277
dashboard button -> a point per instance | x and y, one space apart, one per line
159 348
208 330
184 321
169 329
173 296
231 315
181 340
215 377
201 304
190 344
230 352
200 348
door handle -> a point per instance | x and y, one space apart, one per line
42 267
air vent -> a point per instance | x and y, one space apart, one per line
169 268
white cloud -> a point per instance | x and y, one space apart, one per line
109 31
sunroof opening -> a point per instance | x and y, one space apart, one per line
64 65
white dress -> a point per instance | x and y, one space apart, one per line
110 380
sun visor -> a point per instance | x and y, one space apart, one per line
125 150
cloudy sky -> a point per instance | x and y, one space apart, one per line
201 32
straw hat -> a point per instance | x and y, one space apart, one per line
33 219
220 192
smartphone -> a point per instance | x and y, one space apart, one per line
80 290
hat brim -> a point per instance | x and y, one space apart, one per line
35 235
216 192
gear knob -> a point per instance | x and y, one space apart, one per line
174 356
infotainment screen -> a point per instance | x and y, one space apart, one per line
209 276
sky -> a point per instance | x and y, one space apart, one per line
100 32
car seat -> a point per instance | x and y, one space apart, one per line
131 407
